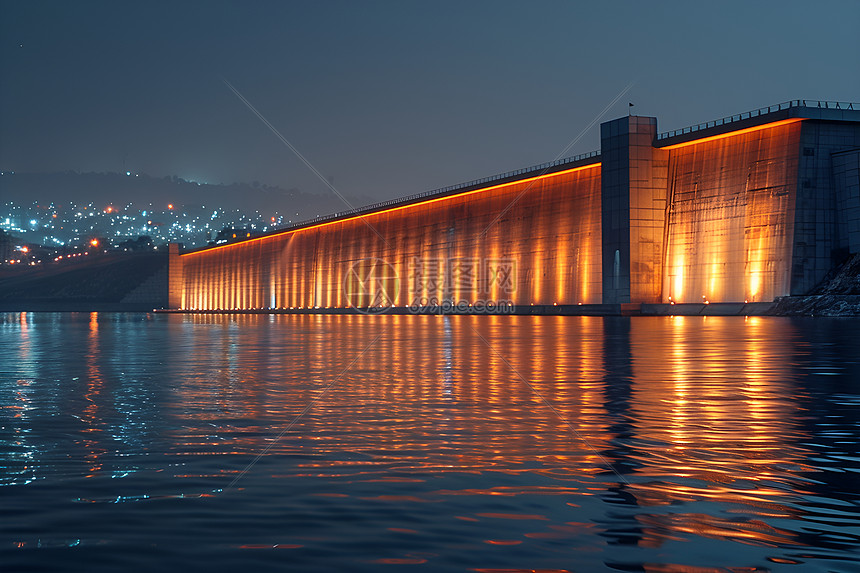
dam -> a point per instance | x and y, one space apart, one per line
742 210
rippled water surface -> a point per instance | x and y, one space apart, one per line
424 443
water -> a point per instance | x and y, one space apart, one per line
388 443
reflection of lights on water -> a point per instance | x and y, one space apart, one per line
447 377
688 417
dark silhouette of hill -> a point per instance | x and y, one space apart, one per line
101 282
120 189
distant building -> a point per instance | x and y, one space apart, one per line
6 246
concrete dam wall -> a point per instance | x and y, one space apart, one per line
744 209
731 217
548 239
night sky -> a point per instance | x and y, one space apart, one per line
389 98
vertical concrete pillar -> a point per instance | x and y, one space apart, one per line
175 278
819 233
846 181
634 184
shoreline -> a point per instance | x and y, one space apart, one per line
811 305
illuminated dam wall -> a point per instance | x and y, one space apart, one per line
542 231
730 217
744 209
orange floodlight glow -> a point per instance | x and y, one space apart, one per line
732 247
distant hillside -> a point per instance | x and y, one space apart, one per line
121 189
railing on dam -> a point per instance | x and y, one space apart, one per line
443 190
845 105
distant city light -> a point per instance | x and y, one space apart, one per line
72 225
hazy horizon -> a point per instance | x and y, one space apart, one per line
386 99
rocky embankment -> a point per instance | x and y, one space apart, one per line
838 295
